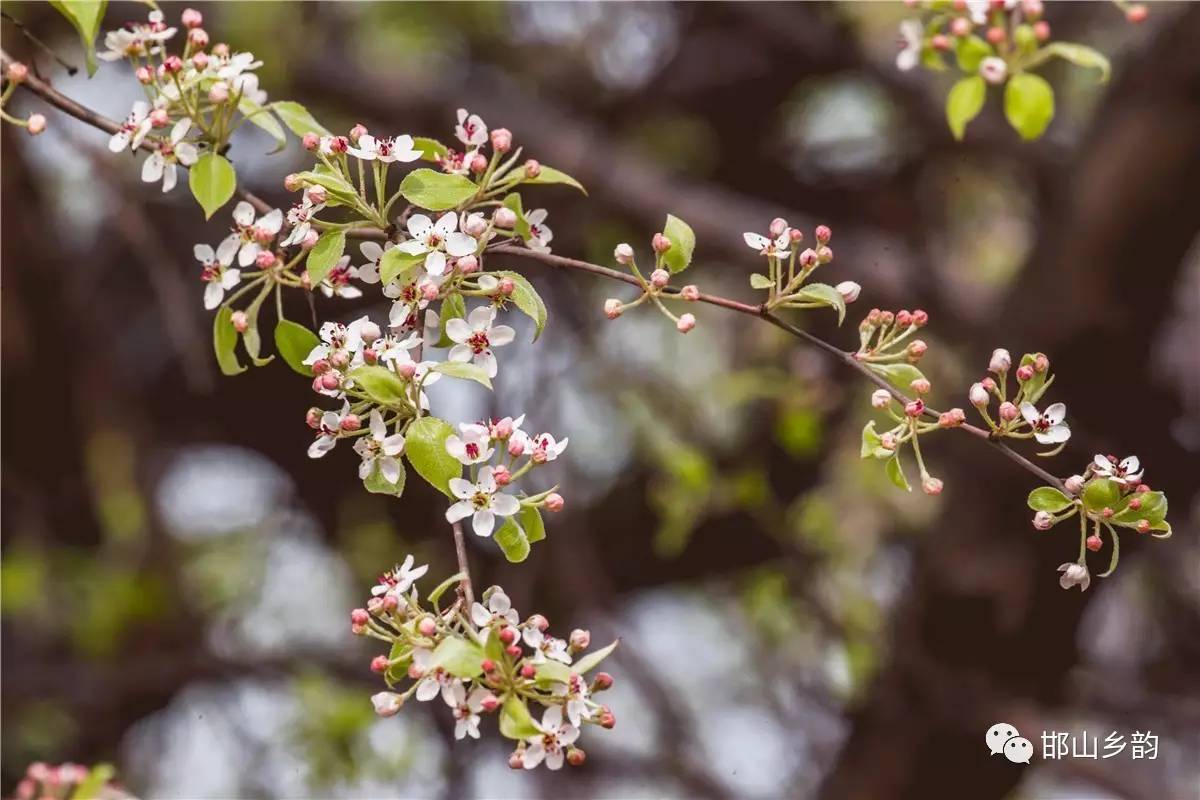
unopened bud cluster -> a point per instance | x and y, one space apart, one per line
1017 416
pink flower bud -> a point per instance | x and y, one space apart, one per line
507 635
1107 513
265 259
1094 543
516 760
339 144
358 630
660 243
916 348
17 72
555 502
691 293
1032 8
996 34
540 622
309 242
1137 14
824 234
686 323
931 486
824 254
1000 361
218 93
407 370
379 664
241 323
172 65
516 448
35 124
920 318
623 253
145 76
1041 30
978 395
506 287
849 290
320 366
532 168
580 639
659 278
357 132
359 616
489 703
576 756
199 61
390 602
467 264
988 384
1043 521
375 605
874 317
881 398
313 418
221 50
487 665
340 359
1143 526
316 194
1074 484
504 217
502 475
1009 412
608 720
914 409
191 18
795 235
329 381
993 70
1024 373
369 355
1040 363
475 225
940 42
350 423
903 318
778 226
291 182
430 291
808 258
887 318
613 308
1142 488
159 118
198 37
887 441
370 332
602 681
501 140
311 142
952 418
1135 504
427 626
921 385
479 163
528 671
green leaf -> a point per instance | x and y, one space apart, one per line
760 281
515 722
213 182
298 119
1036 386
251 338
465 370
380 383
531 522
425 445
436 191
550 672
513 203
527 300
683 244
85 16
225 338
453 307
1047 498
1081 56
593 659
442 587
334 184
899 375
870 440
512 541
552 175
826 295
325 255
970 52
431 149
895 473
397 264
377 484
92 786
1028 104
294 342
459 657
263 118
964 103
1153 507
1101 493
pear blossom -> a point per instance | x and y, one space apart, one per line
327 432
545 647
437 240
1074 574
466 709
978 9
482 501
216 271
337 281
387 150
300 217
540 234
1126 472
470 129
133 129
161 163
334 337
373 253
499 609
773 248
380 449
1048 427
473 447
400 579
543 447
136 39
434 680
575 693
994 70
251 234
912 37
550 744
475 337
232 66
387 704
390 348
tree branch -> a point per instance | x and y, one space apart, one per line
460 552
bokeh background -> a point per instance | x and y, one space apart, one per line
177 574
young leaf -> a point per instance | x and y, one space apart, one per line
397 264
263 118
760 281
212 180
552 175
251 338
294 342
459 657
465 370
85 17
1152 506
1028 104
298 119
336 185
1101 493
225 338
512 541
899 375
1081 56
870 440
593 659
531 522
827 295
1036 386
1047 498
453 307
425 446
970 52
380 383
436 191
683 244
93 786
431 149
442 587
513 203
895 473
964 103
377 484
325 255
551 672
527 300
515 722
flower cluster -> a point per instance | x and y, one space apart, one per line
481 658
15 74
999 43
68 782
1019 418
788 268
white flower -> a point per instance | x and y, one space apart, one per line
912 38
1127 471
549 745
1074 574
327 434
133 129
546 646
380 449
250 233
136 39
475 337
391 348
473 447
300 218
470 129
978 9
216 271
335 336
233 65
540 234
481 501
337 281
387 704
575 692
773 248
849 290
399 148
437 239
994 70
466 709
400 579
499 609
542 447
434 679
161 163
372 252
1048 427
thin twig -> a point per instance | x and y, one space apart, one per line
62 62
460 552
